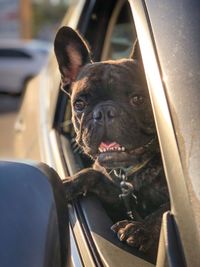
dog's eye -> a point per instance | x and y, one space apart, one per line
79 105
137 100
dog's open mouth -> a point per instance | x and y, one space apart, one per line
113 154
110 147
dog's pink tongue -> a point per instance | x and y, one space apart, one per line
108 145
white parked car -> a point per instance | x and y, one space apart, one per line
19 61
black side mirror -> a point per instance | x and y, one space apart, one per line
33 216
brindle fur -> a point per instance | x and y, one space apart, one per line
109 115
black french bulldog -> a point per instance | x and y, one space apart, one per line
113 121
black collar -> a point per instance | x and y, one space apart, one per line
124 173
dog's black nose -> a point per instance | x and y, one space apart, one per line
104 112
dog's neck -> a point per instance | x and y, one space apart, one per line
128 182
122 172
136 174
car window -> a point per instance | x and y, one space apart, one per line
118 42
117 36
14 53
121 33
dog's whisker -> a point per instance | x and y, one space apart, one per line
80 129
76 147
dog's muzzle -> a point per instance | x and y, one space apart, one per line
105 113
112 154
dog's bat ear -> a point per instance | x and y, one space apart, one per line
136 54
72 53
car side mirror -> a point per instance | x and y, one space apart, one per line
33 220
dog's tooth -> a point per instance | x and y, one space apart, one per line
123 148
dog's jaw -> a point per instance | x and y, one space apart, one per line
112 154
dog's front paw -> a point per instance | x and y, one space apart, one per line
136 234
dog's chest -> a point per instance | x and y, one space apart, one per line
144 191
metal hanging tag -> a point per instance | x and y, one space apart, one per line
128 194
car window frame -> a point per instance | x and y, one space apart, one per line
100 251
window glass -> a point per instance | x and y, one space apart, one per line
121 34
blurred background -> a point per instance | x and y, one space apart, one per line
28 19
27 29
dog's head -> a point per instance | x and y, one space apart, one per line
111 109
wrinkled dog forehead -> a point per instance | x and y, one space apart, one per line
103 78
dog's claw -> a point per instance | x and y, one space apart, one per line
121 224
135 234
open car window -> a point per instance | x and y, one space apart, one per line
118 40
117 43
